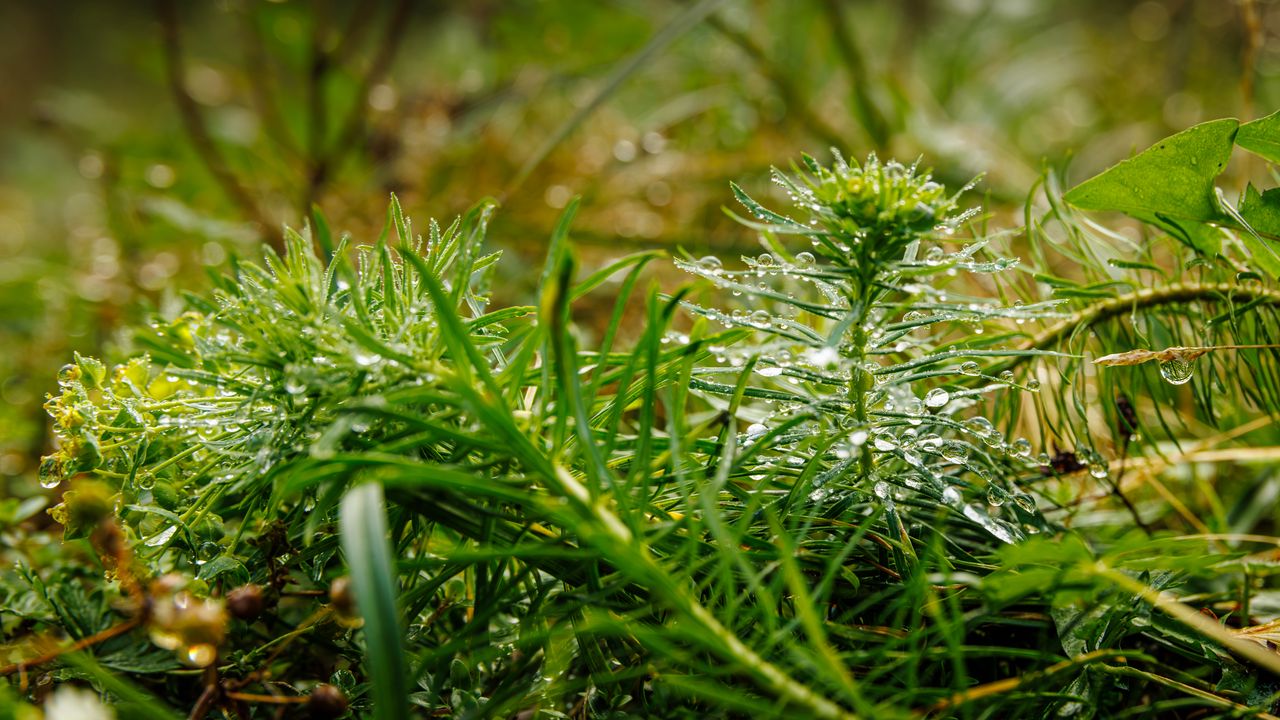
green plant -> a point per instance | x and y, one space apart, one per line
862 338
344 481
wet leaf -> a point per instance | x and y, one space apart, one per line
1262 137
1169 185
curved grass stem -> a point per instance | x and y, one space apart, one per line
1131 302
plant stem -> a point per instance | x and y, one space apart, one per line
682 23
614 537
198 131
792 96
1144 298
1013 683
113 631
862 295
864 108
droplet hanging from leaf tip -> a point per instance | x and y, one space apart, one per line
1177 370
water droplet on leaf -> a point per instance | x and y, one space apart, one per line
1177 370
710 263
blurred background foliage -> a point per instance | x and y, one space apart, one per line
141 143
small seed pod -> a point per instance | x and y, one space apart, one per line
326 702
343 602
246 602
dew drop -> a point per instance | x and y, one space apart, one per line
1025 501
161 537
201 654
955 452
969 368
936 398
805 258
68 374
996 496
1177 370
884 443
980 426
951 496
769 371
1098 469
51 471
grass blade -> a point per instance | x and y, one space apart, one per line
363 529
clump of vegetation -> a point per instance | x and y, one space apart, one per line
865 473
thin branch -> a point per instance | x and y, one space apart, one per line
1137 300
1253 39
864 108
197 130
212 693
999 687
1205 695
781 80
81 644
356 24
325 162
681 24
317 115
273 699
261 90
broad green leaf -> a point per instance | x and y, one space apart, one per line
1173 178
1207 239
1262 137
1169 185
1262 212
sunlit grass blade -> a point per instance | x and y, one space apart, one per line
363 530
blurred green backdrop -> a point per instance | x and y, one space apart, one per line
141 143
